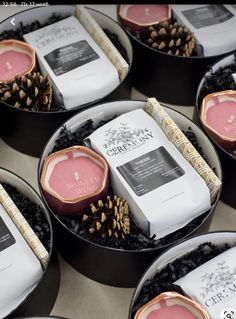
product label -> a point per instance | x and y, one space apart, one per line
213 284
150 171
6 238
207 15
69 57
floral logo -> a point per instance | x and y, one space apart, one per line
218 280
124 134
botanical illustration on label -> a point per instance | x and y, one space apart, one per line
70 57
6 238
150 171
207 15
125 139
219 285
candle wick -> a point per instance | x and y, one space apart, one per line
147 11
76 176
9 66
231 119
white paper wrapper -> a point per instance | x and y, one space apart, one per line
213 284
78 68
20 269
212 25
164 192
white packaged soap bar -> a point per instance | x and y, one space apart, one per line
213 284
213 25
79 70
20 269
164 192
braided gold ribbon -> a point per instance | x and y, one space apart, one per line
102 41
23 226
177 137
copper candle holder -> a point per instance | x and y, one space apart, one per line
22 47
173 301
70 179
230 122
139 27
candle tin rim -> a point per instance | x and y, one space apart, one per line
121 8
203 112
83 149
89 104
24 45
145 250
170 295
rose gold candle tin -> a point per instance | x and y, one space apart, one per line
76 205
172 299
135 26
223 140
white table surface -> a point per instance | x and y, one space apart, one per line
80 297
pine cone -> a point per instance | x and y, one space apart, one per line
29 92
170 38
109 219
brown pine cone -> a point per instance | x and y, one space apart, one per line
32 92
109 218
170 38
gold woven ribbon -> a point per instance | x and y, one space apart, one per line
23 226
102 41
177 137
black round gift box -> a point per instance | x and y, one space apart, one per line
218 238
171 79
112 266
28 131
41 300
228 161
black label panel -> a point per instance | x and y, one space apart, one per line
150 171
207 15
70 57
6 238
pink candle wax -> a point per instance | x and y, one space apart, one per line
147 13
171 305
222 117
73 178
170 311
13 63
76 177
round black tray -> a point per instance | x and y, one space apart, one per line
228 161
171 79
217 238
112 266
41 300
28 131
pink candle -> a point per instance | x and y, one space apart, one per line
222 117
172 305
13 63
138 17
73 178
147 13
172 311
218 114
16 58
76 176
